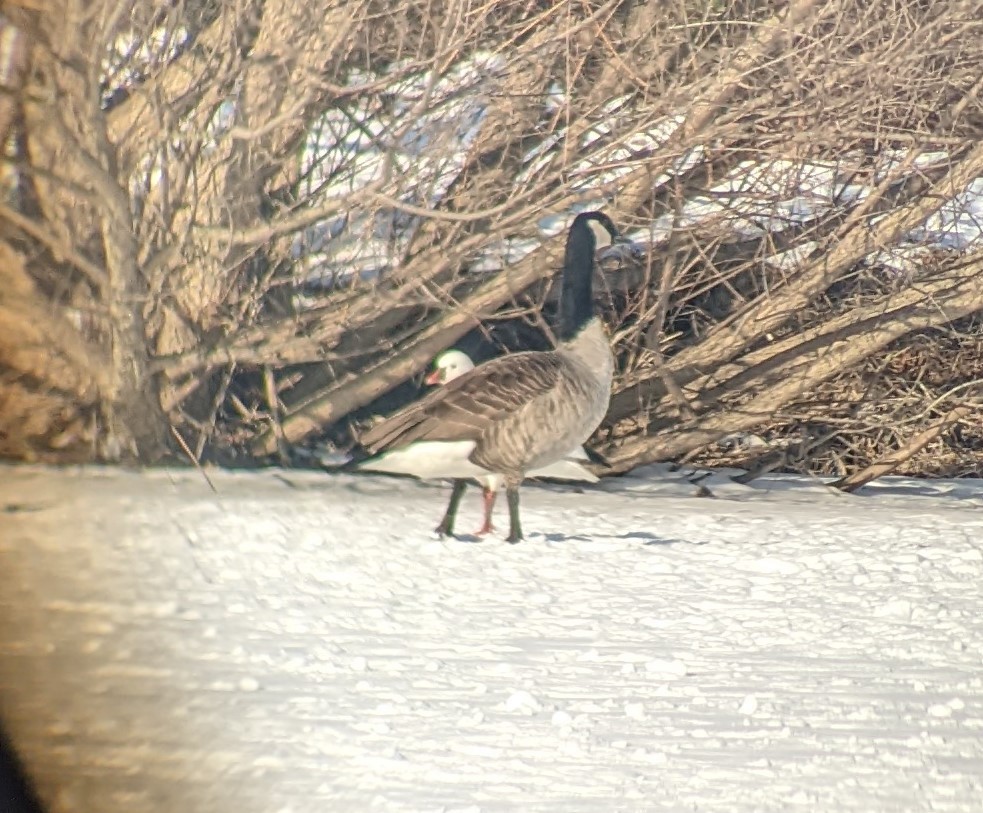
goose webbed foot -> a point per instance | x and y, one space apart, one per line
445 529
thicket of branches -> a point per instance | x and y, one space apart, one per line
233 228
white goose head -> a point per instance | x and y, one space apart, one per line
447 366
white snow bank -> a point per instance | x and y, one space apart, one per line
301 642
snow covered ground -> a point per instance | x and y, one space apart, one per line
300 642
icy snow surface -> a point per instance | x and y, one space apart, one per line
301 642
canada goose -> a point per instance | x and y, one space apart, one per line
453 364
516 413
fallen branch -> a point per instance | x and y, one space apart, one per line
891 461
802 374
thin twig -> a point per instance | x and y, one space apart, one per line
193 459
273 402
217 401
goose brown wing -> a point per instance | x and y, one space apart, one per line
467 407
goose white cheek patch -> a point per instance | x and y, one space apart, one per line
602 237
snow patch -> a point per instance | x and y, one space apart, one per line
316 649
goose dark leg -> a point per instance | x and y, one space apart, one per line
446 527
515 529
488 495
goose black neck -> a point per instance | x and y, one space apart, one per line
576 294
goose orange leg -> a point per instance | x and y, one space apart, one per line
488 496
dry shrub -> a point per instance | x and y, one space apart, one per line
254 224
867 413
46 401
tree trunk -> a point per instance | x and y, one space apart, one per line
78 193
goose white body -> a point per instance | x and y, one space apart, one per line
438 460
454 363
429 460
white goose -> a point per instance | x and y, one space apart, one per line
514 414
453 364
